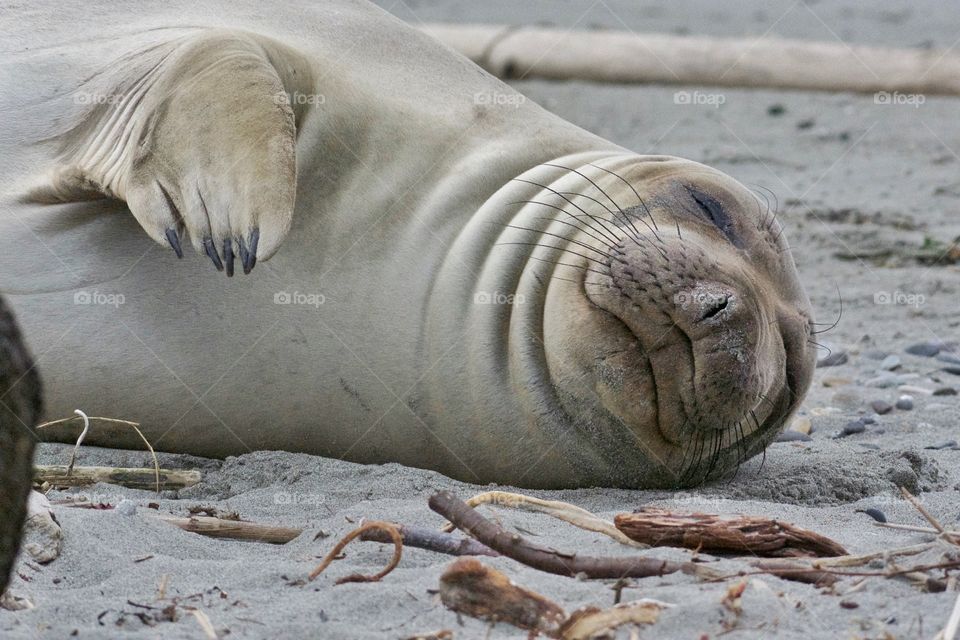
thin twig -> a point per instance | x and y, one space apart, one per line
76 447
923 510
950 631
516 547
430 540
373 524
565 511
133 425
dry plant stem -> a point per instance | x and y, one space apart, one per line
133 425
721 534
950 631
469 587
923 510
232 529
431 540
516 547
950 537
133 478
373 524
590 622
204 621
561 510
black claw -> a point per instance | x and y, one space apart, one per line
212 253
228 256
254 240
174 239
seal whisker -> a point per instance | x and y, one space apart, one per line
642 203
600 240
839 315
550 246
613 236
562 210
573 266
558 236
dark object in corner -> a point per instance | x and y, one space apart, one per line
20 409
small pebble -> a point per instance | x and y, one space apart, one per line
920 391
883 382
874 513
835 381
806 124
833 359
945 391
867 420
846 399
950 358
776 110
949 444
881 407
952 368
848 604
793 436
890 363
852 427
929 349
905 403
802 424
126 508
875 355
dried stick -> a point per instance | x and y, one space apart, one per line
356 577
715 534
950 631
591 622
133 478
232 529
469 587
430 540
133 425
516 547
923 510
561 510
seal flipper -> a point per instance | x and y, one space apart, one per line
196 135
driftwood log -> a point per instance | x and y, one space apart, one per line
514 546
232 529
430 540
56 475
469 587
626 57
22 396
711 533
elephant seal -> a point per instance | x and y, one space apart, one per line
20 409
457 279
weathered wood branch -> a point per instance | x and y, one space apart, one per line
431 540
625 57
711 533
232 529
133 478
516 547
389 528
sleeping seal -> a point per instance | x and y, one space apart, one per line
440 272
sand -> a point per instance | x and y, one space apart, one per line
854 178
